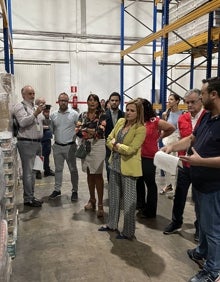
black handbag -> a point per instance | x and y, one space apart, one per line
81 151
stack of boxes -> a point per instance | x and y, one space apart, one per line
8 177
196 27
5 260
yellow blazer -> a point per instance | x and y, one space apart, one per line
130 150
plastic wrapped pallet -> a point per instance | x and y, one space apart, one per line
7 99
5 260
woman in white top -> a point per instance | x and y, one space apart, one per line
171 115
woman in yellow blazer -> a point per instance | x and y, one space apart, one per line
125 141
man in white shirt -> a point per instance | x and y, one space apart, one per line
63 123
29 141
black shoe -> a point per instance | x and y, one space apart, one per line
106 229
193 255
33 203
74 196
172 228
196 236
139 213
121 236
49 173
147 215
55 194
38 200
204 276
38 175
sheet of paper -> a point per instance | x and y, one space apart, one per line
38 163
167 162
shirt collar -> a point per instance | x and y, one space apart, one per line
114 112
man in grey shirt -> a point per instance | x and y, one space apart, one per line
63 124
29 141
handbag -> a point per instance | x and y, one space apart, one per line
81 151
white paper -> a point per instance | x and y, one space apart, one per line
38 163
167 162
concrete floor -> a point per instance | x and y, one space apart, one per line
60 242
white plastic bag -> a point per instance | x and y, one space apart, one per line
39 163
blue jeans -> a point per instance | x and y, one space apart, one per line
209 237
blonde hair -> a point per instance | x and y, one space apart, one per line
140 110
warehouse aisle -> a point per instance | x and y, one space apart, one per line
60 242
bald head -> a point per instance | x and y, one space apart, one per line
28 93
39 101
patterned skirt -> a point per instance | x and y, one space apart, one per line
94 161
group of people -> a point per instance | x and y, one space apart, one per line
132 139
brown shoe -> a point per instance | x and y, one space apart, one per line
91 205
166 189
100 212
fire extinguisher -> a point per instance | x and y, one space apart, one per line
75 99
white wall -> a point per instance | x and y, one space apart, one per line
62 57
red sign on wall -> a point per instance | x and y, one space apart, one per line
73 89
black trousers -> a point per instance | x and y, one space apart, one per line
182 187
147 196
46 150
107 156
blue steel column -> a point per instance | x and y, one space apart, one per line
191 82
10 28
154 49
6 45
163 87
122 58
209 47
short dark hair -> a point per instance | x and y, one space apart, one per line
115 94
213 84
63 93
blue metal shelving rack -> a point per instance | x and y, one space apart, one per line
190 47
7 35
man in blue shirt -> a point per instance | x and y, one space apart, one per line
204 160
46 142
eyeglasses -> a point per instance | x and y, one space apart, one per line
193 102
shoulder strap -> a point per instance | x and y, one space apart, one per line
25 106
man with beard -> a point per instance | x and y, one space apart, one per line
63 123
113 114
29 141
204 163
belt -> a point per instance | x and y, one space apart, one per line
70 143
28 139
